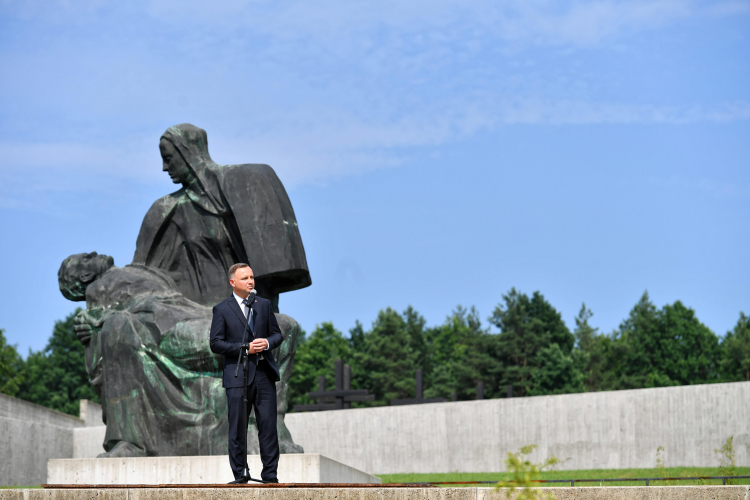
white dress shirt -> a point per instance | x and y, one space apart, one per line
244 308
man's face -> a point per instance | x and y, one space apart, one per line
242 281
174 164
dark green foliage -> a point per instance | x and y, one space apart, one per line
595 352
390 355
690 350
56 377
527 326
357 337
459 356
315 357
11 367
557 372
656 348
735 352
534 351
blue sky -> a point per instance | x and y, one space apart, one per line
436 153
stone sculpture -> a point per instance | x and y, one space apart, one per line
222 215
146 325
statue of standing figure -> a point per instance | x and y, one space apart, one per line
146 325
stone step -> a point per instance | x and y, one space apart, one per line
297 468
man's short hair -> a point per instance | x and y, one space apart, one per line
234 268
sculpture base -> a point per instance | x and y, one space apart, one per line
293 468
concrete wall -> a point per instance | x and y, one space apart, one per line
30 435
91 413
596 430
19 409
620 429
88 441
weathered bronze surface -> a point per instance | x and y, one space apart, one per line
146 325
222 215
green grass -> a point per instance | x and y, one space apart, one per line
566 474
579 474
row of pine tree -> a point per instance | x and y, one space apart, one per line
525 345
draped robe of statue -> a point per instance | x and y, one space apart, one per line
237 213
158 379
146 356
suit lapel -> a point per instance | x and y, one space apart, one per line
235 307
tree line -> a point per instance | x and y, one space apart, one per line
525 344
54 377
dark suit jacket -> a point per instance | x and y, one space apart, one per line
228 326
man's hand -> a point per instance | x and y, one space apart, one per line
258 345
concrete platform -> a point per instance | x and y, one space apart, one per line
377 493
293 468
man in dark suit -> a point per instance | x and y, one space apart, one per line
231 319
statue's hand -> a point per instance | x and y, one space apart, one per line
82 328
84 324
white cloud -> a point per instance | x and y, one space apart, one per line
123 160
339 25
730 8
309 151
592 22
319 89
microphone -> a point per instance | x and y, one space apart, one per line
251 297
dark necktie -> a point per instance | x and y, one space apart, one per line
250 320
249 316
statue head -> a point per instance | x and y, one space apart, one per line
174 164
184 151
78 271
192 141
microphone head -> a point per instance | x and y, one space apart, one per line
253 293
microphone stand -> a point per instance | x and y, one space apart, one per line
243 353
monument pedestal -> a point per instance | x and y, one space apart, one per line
293 468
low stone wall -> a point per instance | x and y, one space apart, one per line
91 413
619 429
88 441
30 435
377 493
18 409
595 430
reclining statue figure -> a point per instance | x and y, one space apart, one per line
148 358
146 325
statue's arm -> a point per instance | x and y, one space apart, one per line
218 342
87 325
155 218
88 322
